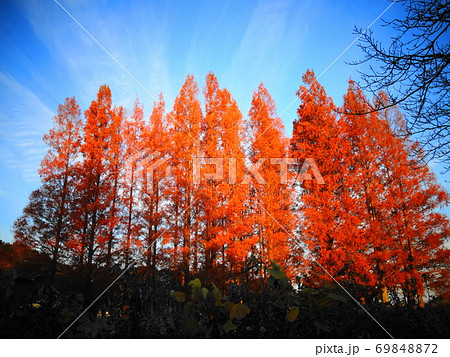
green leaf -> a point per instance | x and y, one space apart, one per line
277 274
229 326
239 311
195 284
205 293
216 293
178 296
292 313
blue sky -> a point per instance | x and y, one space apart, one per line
46 57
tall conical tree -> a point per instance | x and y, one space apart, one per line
223 199
323 228
185 146
273 218
211 153
397 196
98 174
153 185
133 132
47 218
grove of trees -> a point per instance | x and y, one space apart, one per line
201 191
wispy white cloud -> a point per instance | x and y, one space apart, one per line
24 119
269 48
265 31
135 36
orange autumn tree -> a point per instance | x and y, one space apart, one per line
325 223
97 177
132 131
183 207
372 162
116 169
370 222
420 231
373 148
209 164
397 197
153 184
270 196
235 232
46 223
223 199
235 228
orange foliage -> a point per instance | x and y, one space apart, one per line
203 192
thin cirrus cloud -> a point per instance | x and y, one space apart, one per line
23 121
140 49
269 50
22 125
265 31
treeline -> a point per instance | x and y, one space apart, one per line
201 190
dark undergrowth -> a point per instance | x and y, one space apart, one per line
158 306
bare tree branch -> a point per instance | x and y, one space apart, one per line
413 70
